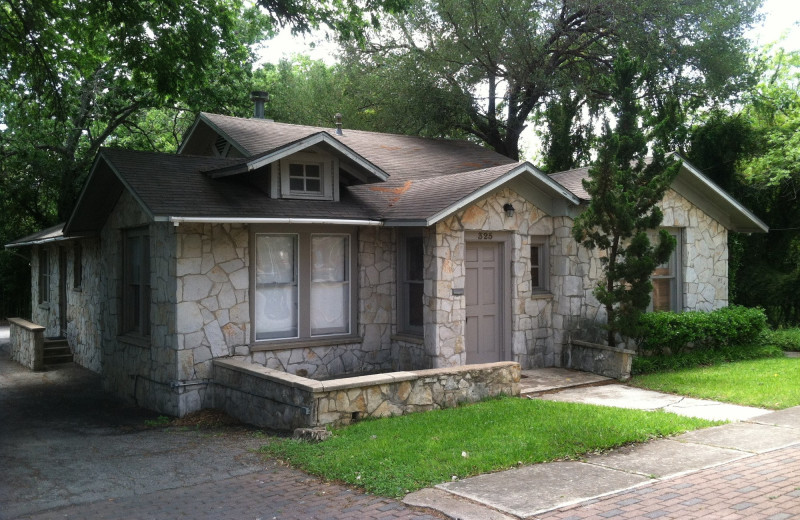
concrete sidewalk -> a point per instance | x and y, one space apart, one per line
545 489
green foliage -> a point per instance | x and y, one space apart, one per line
394 456
625 190
765 383
702 358
492 63
785 339
674 332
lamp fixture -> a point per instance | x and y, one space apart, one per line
509 209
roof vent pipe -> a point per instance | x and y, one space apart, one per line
338 119
259 97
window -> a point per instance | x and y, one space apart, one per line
136 282
411 283
77 266
305 179
666 281
307 175
44 276
539 265
303 285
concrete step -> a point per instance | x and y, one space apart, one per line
56 351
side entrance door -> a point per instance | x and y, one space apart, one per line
484 298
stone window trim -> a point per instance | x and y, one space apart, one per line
669 277
540 265
328 179
410 282
136 288
44 277
304 337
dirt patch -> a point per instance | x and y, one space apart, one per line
206 418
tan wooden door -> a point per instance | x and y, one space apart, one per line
483 292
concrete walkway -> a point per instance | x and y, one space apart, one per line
760 447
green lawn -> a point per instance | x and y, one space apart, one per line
396 455
765 383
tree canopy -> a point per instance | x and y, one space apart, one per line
483 66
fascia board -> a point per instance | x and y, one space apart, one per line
758 224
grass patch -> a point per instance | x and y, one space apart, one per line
396 455
764 383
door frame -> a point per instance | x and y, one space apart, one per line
504 238
62 291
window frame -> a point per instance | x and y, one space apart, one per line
136 296
675 264
404 325
541 283
44 276
303 268
328 170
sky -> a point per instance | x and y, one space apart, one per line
781 16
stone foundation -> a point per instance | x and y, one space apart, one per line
274 399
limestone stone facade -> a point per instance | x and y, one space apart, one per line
201 303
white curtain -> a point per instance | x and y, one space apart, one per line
330 284
276 286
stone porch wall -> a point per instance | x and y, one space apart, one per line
275 399
84 306
27 343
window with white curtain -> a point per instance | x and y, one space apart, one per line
303 285
666 280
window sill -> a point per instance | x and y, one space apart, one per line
266 345
542 296
408 338
136 341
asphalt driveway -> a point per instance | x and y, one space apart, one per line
69 450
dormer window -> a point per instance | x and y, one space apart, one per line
305 179
309 175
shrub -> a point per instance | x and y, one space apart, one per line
673 333
702 357
785 339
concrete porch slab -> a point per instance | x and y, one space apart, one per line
542 380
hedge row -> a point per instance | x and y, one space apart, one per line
672 333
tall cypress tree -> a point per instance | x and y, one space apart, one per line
625 187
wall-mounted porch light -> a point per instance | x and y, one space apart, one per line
509 209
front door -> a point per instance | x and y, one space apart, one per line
484 298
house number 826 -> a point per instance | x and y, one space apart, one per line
484 236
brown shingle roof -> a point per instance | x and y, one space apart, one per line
571 179
398 155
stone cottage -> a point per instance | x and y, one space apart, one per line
327 251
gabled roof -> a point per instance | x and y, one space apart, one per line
396 155
176 188
692 185
423 202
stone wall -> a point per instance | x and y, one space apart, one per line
530 333
84 305
46 313
27 343
275 399
575 271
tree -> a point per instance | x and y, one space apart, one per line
625 189
483 66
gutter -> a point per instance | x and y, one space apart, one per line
256 220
